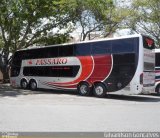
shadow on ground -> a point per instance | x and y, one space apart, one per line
7 90
136 98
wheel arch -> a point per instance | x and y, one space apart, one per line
24 78
156 85
96 82
90 84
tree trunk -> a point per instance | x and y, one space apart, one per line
4 68
5 73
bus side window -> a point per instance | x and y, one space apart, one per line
15 71
51 52
42 53
123 46
101 48
157 59
82 49
65 51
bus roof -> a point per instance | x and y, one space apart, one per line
64 44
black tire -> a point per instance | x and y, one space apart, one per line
24 84
99 90
33 85
84 89
158 89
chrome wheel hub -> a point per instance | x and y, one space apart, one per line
99 90
24 84
83 89
33 85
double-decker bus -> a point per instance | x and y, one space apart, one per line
124 65
157 70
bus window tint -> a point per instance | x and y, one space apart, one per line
16 64
124 63
157 60
51 71
67 71
50 52
124 59
103 47
15 71
82 49
65 51
123 69
123 46
41 53
17 58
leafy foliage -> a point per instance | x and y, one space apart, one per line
144 18
93 16
24 22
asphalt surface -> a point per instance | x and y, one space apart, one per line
57 111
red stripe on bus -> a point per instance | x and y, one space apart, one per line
157 71
49 84
102 68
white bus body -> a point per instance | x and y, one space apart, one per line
122 65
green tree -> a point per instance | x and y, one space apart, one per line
102 16
24 23
144 17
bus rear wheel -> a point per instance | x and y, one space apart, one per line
33 85
24 84
84 89
99 90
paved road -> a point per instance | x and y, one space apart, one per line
23 110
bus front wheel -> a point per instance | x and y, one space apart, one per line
33 85
84 89
99 90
